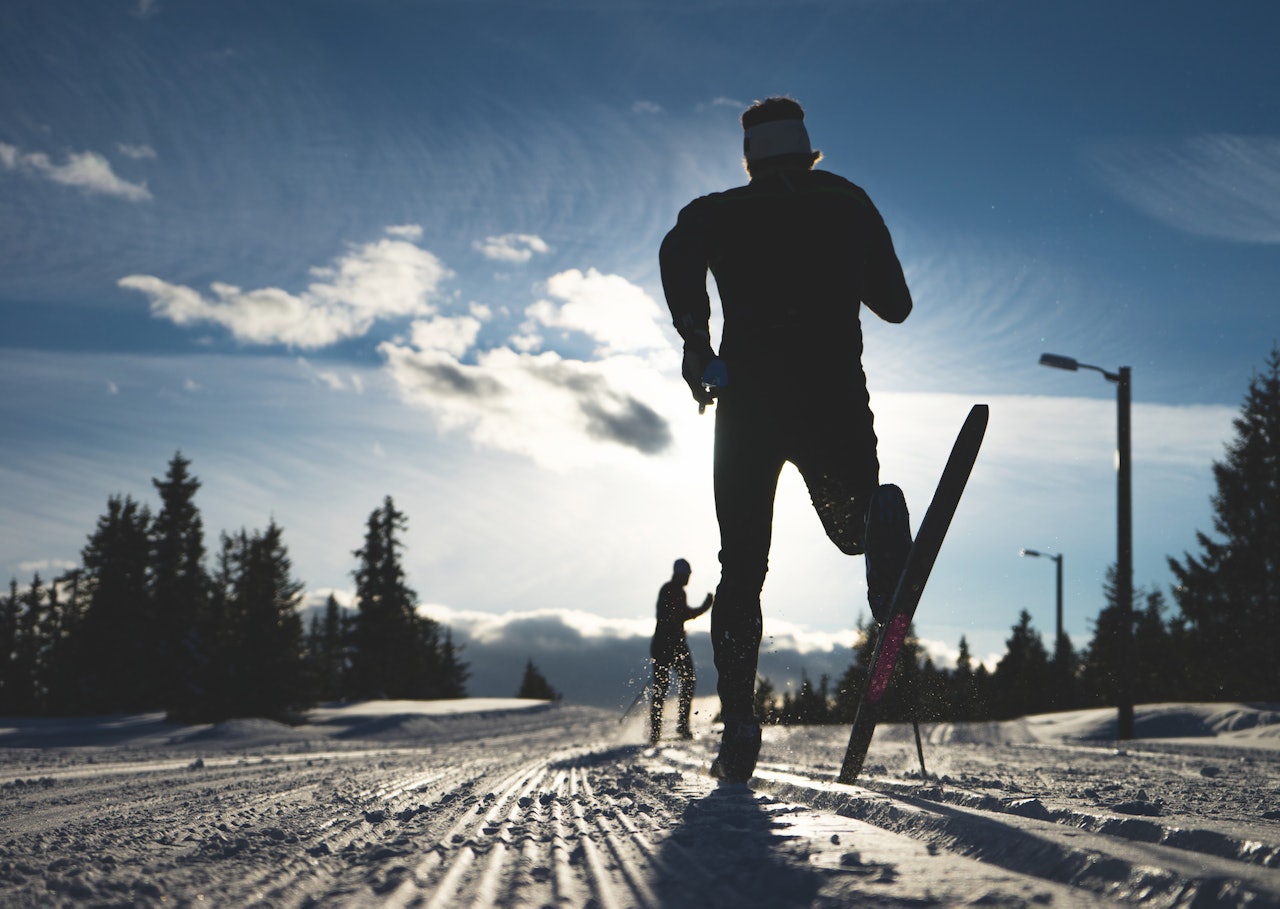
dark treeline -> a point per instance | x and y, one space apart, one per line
1219 645
144 623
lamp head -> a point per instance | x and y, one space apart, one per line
1059 362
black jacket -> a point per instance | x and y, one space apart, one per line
794 254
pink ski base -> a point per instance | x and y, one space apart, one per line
894 634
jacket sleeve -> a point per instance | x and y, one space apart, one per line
683 258
884 287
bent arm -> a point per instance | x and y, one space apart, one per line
695 611
884 286
683 261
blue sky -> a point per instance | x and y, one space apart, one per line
336 250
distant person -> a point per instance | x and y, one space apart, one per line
795 253
669 650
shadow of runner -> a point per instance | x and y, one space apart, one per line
730 850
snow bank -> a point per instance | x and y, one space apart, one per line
1244 725
375 720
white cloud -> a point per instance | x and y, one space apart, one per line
559 412
452 334
407 231
490 628
137 152
646 107
386 279
326 377
47 567
512 247
1223 186
608 308
87 171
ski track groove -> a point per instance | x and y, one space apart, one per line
972 825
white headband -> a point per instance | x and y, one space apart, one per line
775 137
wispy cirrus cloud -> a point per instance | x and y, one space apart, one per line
87 171
1224 186
385 279
136 152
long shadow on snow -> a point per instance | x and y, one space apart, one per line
730 851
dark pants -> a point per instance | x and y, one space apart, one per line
832 442
682 662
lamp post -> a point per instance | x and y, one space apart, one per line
1057 557
1124 534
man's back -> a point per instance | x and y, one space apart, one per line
794 253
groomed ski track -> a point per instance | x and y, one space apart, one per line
549 808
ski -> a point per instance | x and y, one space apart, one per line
924 551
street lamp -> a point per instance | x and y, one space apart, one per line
1058 649
1124 534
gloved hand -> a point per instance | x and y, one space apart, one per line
709 601
696 358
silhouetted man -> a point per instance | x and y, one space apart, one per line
795 253
669 650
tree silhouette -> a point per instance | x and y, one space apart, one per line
964 686
115 641
179 590
10 611
1022 675
535 686
328 652
396 653
256 652
1229 594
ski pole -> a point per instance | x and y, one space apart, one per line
639 695
919 747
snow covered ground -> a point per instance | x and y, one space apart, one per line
526 804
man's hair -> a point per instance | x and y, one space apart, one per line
778 107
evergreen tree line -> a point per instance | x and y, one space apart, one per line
1219 646
144 623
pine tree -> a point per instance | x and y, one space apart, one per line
67 605
30 653
267 638
453 672
327 651
1229 594
902 700
810 706
396 653
112 641
766 703
964 686
1022 675
850 686
10 608
535 686
1154 657
179 590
